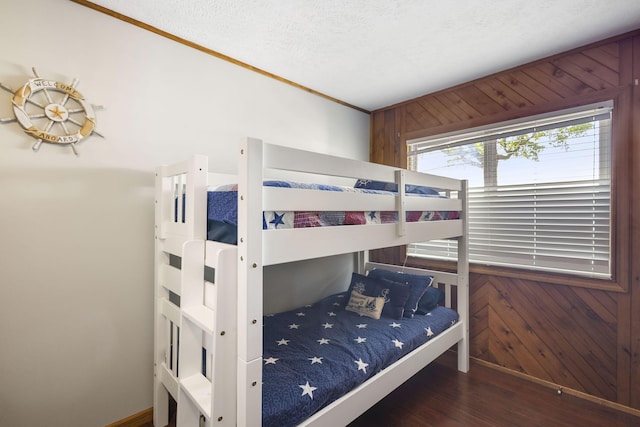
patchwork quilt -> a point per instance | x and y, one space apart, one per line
222 210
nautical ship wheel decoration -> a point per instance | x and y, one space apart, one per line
52 112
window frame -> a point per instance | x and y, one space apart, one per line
620 207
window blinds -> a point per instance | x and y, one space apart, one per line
553 214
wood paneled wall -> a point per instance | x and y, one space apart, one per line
578 333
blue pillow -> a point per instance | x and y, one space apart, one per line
395 294
430 300
418 189
392 186
418 284
376 185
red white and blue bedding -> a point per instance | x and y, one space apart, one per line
222 210
315 354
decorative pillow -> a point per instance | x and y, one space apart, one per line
395 298
419 189
376 185
365 305
418 284
430 300
395 294
392 186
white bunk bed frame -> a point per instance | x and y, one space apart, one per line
219 286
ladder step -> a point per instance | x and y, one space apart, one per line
172 245
198 388
202 316
170 311
168 380
170 278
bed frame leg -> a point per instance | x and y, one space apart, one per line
161 406
463 355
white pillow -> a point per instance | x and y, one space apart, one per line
365 305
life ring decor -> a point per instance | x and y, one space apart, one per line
52 112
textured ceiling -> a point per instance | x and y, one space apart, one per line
375 53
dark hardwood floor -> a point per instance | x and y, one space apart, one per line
441 396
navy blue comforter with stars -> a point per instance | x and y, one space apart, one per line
315 354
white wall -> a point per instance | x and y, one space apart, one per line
76 251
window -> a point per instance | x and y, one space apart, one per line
539 191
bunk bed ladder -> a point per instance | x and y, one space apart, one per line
207 347
195 320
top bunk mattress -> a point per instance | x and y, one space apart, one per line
222 209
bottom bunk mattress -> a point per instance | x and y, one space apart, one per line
315 354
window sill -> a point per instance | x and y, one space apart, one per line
515 273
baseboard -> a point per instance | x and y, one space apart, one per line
142 418
561 389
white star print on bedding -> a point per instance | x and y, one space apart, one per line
307 389
329 352
362 366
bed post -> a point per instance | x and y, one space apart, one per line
160 394
400 202
360 260
250 276
463 280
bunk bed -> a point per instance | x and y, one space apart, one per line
215 349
